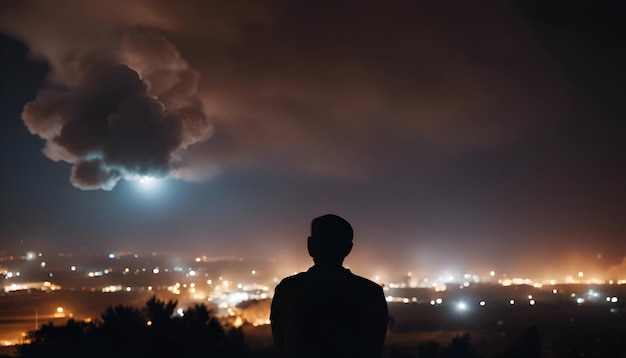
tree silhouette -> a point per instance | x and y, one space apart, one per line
158 311
126 331
69 340
122 331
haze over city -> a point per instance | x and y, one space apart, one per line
457 137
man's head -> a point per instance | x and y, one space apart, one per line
330 240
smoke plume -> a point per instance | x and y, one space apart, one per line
128 109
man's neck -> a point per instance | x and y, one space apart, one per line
328 265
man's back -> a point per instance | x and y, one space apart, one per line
329 312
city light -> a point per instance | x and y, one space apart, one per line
226 290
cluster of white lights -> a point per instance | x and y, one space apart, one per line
437 301
112 288
11 274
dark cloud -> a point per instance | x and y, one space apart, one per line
323 87
130 111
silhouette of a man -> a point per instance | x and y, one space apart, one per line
328 311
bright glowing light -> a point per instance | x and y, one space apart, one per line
461 306
439 301
112 288
147 183
238 322
60 313
614 299
581 274
482 303
531 302
511 302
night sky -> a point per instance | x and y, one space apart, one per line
453 135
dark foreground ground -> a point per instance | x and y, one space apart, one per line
562 329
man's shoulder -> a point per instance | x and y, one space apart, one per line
304 279
293 280
365 283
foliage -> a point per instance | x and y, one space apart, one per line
126 331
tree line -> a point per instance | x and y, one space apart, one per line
127 331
